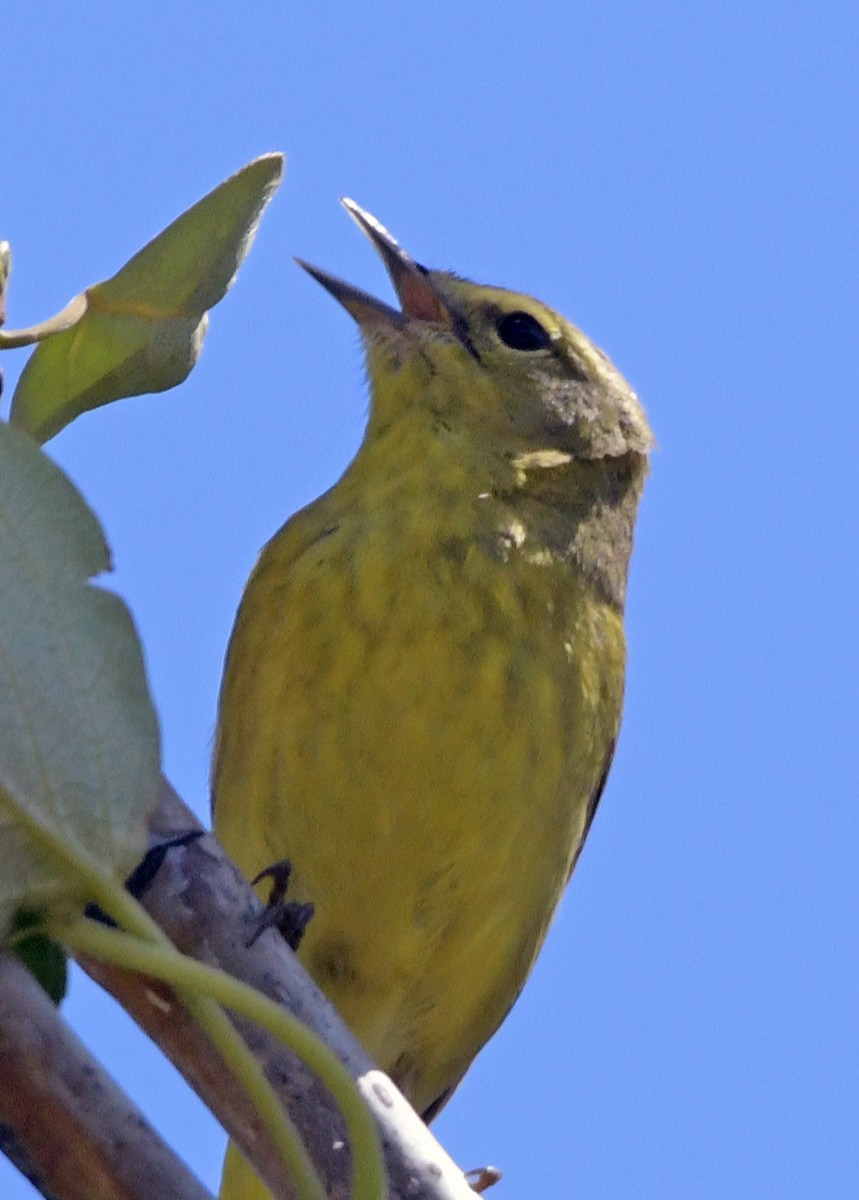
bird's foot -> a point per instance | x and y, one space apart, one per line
288 917
482 1179
141 877
149 866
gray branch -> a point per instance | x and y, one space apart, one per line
63 1121
208 909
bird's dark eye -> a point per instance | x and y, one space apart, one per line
521 331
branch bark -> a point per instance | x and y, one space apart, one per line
208 909
72 1131
63 1121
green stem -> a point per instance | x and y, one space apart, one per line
189 976
13 339
151 941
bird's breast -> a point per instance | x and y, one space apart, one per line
433 713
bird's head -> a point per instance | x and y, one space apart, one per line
490 359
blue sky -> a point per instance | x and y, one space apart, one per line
680 180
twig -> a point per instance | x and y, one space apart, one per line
208 910
63 1121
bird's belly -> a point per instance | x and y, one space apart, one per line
433 836
429 760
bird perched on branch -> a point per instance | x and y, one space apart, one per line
423 688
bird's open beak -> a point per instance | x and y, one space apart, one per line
419 299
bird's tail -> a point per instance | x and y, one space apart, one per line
239 1180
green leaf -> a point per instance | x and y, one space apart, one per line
41 956
142 330
79 744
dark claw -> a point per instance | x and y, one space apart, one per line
482 1179
278 873
288 917
149 866
145 871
